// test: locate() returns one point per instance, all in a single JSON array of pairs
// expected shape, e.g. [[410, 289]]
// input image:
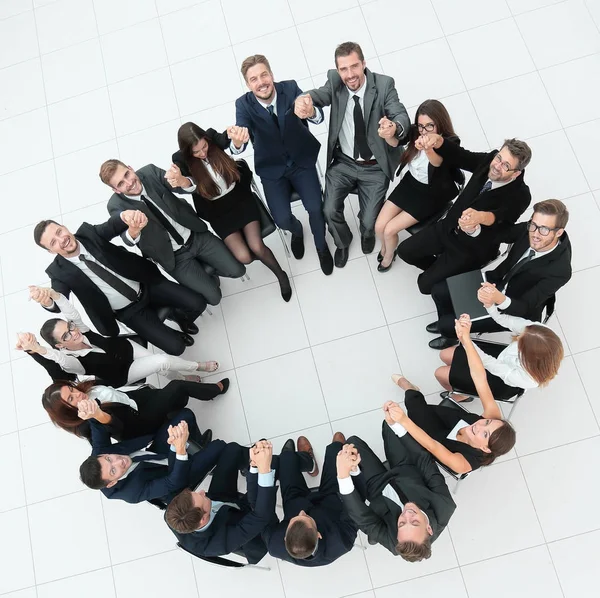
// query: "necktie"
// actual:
[[516, 268], [163, 220], [486, 187], [361, 147], [110, 279], [271, 110]]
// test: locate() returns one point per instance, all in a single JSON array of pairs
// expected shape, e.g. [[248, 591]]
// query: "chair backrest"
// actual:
[[549, 306], [267, 224], [214, 560]]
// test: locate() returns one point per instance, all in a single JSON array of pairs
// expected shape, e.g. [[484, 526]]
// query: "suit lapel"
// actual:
[[342, 96], [370, 95], [281, 104]]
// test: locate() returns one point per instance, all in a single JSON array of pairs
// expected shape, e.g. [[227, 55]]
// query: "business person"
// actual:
[[366, 125], [467, 238], [116, 361], [536, 267], [131, 472], [427, 183], [316, 529], [116, 285], [223, 196], [174, 237], [285, 152], [221, 520], [409, 503]]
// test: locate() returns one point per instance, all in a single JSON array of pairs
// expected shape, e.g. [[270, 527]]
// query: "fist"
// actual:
[[42, 295], [304, 107], [87, 408], [238, 135], [387, 128], [135, 219], [26, 341]]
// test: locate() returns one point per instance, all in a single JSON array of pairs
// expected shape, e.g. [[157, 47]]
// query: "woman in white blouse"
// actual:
[[223, 197], [531, 360], [427, 184]]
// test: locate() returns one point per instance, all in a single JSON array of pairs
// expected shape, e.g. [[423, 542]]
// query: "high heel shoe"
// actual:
[[286, 288], [382, 268], [379, 257]]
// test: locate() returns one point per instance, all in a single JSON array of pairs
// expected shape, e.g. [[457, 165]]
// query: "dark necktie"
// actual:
[[271, 110], [163, 220], [516, 268], [110, 279], [486, 187], [361, 147], [149, 457]]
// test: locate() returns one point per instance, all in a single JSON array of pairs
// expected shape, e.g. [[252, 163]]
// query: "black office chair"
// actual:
[[222, 561]]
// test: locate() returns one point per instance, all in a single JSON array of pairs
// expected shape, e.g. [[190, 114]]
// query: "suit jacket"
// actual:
[[66, 277], [237, 531], [381, 99], [154, 240], [421, 482], [535, 282], [507, 202], [275, 146], [333, 523], [148, 480]]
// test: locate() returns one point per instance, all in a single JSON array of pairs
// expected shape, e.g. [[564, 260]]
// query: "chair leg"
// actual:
[[282, 237], [245, 277], [513, 407], [359, 546], [261, 567], [207, 311], [455, 489]]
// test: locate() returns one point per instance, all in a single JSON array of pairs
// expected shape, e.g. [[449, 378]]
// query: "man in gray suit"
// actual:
[[409, 503], [366, 127], [175, 237]]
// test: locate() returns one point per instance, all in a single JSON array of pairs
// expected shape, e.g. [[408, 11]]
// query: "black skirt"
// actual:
[[415, 198], [460, 375]]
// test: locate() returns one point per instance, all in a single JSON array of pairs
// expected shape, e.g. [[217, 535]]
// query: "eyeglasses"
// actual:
[[67, 336], [428, 127], [505, 165], [544, 230]]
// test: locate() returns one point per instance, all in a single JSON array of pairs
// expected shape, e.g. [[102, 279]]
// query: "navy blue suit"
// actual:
[[151, 480], [285, 154]]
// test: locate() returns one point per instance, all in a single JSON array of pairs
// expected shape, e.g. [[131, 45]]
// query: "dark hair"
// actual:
[[300, 540], [47, 331], [40, 229], [553, 207], [520, 150], [188, 136], [437, 112], [346, 49], [253, 61], [62, 414], [540, 352], [500, 442], [182, 515], [413, 552], [90, 473]]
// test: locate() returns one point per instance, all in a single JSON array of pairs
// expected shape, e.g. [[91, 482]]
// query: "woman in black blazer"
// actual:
[[427, 184], [128, 414], [223, 197]]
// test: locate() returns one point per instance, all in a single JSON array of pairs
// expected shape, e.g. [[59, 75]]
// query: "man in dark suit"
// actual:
[[537, 265], [221, 521], [316, 530], [175, 238], [285, 152], [409, 503], [114, 284], [130, 472], [467, 238], [366, 126]]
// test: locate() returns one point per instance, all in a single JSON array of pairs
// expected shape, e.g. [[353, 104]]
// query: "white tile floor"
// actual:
[[85, 80]]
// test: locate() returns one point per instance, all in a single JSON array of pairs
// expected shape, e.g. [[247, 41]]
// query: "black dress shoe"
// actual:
[[433, 327], [188, 341], [441, 342], [326, 261], [367, 244], [382, 268], [297, 246], [188, 327], [341, 257], [289, 445], [205, 439], [225, 383]]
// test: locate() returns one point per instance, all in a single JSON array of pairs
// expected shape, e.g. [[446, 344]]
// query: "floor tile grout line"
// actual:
[[587, 395], [587, 7]]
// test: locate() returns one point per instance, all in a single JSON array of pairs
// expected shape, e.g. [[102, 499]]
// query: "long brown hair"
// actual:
[[540, 352], [501, 440], [62, 414], [437, 112], [188, 136]]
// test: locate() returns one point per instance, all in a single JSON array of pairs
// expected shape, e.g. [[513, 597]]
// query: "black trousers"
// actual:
[[223, 485], [142, 316], [439, 254], [446, 316]]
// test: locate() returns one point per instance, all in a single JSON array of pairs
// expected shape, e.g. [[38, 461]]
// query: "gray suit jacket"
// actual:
[[154, 240], [381, 99]]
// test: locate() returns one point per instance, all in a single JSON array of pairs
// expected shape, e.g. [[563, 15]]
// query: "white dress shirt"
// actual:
[[346, 137], [418, 168], [115, 299], [158, 461], [108, 394]]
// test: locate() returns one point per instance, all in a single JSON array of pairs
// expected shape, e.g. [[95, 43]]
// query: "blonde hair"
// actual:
[[253, 61], [108, 169]]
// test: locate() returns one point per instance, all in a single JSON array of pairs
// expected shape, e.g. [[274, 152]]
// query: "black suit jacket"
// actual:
[[154, 240], [536, 281], [66, 277], [507, 202], [233, 530], [333, 523], [421, 482]]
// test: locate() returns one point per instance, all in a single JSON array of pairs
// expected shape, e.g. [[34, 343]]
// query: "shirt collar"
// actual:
[[138, 197], [359, 92], [273, 102], [542, 253]]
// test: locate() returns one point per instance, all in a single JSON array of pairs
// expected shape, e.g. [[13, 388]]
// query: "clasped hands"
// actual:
[[304, 107], [469, 220], [489, 295], [136, 220], [178, 437], [42, 295], [26, 341], [238, 135], [387, 128], [347, 460], [261, 455]]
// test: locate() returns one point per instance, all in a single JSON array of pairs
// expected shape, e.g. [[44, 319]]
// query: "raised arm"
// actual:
[[513, 323]]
